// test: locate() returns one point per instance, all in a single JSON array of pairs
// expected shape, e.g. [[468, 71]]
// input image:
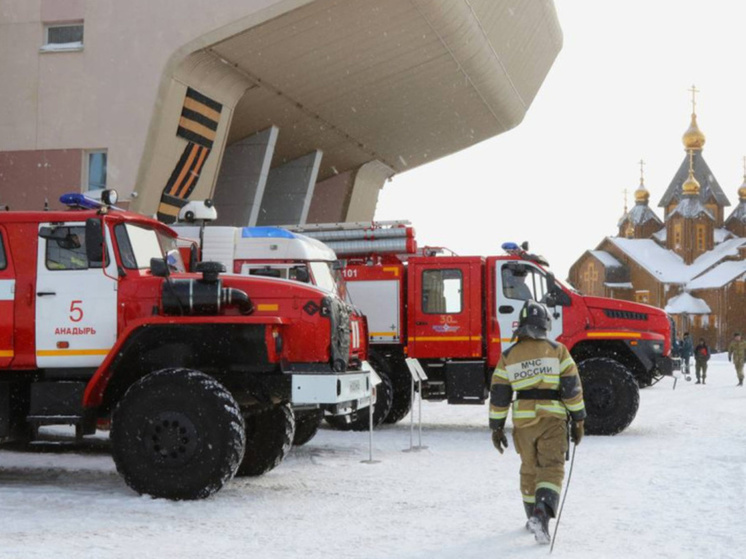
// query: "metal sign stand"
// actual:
[[417, 373], [375, 380]]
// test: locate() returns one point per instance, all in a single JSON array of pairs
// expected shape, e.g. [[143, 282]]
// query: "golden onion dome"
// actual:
[[690, 186], [642, 194], [693, 138], [742, 190]]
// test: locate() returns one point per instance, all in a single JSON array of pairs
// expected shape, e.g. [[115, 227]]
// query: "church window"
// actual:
[[740, 287], [677, 235], [697, 321], [701, 243]]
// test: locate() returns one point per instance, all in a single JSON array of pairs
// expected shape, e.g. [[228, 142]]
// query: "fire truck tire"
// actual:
[[402, 399], [269, 437], [361, 420], [307, 424], [611, 395], [177, 434]]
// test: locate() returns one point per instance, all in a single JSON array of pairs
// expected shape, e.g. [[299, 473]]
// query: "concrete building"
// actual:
[[283, 111]]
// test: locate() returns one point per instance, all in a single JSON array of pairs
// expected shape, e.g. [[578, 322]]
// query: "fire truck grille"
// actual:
[[340, 332], [626, 315]]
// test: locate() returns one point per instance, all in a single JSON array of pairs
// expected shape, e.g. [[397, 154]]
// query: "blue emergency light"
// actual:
[[78, 200], [266, 233]]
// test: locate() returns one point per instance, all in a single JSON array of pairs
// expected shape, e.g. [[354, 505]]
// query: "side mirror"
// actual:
[[555, 296], [159, 267], [94, 242]]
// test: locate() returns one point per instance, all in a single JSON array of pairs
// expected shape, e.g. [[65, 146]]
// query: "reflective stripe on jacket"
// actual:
[[535, 364]]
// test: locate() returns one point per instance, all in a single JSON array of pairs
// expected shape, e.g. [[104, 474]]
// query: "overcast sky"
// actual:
[[617, 93]]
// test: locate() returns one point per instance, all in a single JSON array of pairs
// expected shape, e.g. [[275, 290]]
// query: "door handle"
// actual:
[[44, 293], [505, 309], [419, 323]]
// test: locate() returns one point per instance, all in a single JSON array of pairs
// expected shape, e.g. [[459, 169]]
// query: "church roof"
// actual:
[[606, 259], [691, 207], [739, 214], [686, 303], [667, 266], [639, 214], [720, 275], [708, 184]]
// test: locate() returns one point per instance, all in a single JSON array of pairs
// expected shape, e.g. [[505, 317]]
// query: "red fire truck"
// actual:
[[199, 374], [456, 314]]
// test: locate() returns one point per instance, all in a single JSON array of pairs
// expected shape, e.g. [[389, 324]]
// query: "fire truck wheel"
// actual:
[[402, 400], [177, 434], [361, 420], [306, 426], [269, 436], [611, 396]]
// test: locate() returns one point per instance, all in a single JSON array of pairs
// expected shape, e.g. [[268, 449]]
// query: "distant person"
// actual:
[[547, 385], [737, 355], [687, 349], [701, 357]]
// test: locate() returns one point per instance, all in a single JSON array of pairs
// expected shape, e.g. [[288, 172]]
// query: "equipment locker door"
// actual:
[[445, 317], [76, 302], [7, 296]]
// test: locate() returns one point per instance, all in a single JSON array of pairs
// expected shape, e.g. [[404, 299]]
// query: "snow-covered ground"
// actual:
[[672, 485]]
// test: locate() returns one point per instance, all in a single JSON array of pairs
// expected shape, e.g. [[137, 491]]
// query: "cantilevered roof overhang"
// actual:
[[395, 82], [403, 82]]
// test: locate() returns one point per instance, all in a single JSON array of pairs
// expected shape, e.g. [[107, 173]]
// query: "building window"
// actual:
[[94, 170], [63, 37], [642, 296], [701, 237]]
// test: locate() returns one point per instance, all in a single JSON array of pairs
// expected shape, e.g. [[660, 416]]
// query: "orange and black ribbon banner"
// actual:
[[199, 121]]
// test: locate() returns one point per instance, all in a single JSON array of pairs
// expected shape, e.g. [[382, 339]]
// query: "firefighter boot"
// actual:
[[529, 508], [539, 524]]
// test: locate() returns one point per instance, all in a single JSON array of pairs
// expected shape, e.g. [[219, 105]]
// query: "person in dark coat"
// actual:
[[687, 348], [701, 357]]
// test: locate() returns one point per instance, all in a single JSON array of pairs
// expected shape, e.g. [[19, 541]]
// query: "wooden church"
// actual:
[[692, 263]]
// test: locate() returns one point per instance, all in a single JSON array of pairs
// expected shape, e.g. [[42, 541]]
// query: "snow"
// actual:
[[667, 266], [720, 275], [686, 303], [606, 259], [670, 486], [62, 47]]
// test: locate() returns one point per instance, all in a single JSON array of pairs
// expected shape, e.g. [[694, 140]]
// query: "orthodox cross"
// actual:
[[694, 91], [642, 164]]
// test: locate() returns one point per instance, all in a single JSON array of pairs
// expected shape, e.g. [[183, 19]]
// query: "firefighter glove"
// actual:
[[577, 432], [499, 440]]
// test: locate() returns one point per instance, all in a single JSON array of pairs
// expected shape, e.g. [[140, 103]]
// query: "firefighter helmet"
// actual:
[[534, 321]]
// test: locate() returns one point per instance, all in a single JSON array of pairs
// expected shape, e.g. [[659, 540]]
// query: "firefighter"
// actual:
[[547, 385], [737, 355]]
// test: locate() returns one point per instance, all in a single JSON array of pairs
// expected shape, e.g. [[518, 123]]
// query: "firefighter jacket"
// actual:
[[535, 364], [737, 351]]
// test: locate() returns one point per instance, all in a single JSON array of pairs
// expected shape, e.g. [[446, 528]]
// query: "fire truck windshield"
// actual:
[[324, 276], [137, 245]]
